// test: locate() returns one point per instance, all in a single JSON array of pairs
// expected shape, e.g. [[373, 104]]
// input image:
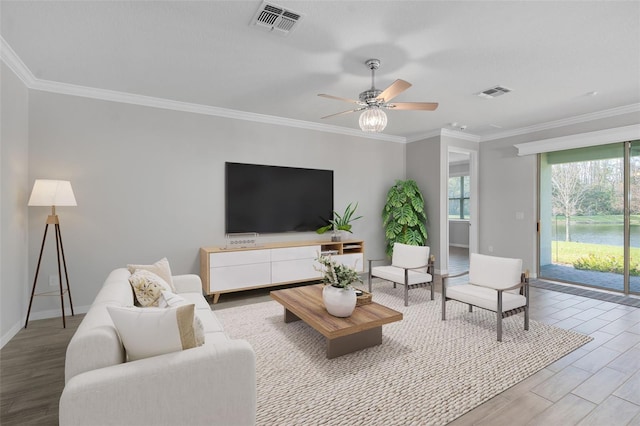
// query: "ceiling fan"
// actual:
[[373, 101]]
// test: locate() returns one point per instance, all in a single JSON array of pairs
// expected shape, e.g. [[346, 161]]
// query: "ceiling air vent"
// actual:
[[493, 92], [276, 19]]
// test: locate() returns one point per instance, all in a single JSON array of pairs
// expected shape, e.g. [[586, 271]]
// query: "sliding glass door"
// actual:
[[634, 217], [589, 216]]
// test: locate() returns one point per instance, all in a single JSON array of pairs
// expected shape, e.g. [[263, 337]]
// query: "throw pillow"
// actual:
[[160, 268], [147, 287], [168, 299], [147, 332]]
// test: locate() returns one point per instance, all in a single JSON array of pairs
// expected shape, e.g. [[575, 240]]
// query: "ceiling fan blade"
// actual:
[[394, 90], [420, 106], [353, 101], [343, 113]]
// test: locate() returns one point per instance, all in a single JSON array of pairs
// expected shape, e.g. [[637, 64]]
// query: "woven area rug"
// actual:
[[426, 371]]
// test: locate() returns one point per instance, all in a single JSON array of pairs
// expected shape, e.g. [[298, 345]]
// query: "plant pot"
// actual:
[[340, 302]]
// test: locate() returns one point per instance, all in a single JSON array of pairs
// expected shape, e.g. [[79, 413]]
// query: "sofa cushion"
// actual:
[[148, 287], [160, 268], [147, 332]]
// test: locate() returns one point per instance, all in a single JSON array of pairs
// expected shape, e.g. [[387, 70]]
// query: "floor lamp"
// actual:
[[52, 193]]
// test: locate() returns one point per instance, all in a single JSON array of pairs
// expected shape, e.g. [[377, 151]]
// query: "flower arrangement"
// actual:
[[337, 274]]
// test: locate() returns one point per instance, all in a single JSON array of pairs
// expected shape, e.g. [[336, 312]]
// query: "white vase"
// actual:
[[340, 302]]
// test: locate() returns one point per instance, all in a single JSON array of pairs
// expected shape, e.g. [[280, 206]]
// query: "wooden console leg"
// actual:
[[216, 296]]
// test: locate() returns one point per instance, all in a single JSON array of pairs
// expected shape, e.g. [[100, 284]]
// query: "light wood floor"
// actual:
[[598, 384]]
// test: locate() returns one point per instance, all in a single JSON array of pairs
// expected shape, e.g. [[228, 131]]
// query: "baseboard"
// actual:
[[10, 334], [53, 313], [34, 316]]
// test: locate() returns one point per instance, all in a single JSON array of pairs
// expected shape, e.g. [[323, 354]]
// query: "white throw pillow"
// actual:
[[168, 299], [147, 287], [160, 268], [147, 332]]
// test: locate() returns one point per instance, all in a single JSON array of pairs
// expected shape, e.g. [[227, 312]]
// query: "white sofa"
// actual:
[[213, 384]]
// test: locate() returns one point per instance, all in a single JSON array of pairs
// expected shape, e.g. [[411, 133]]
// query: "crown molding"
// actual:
[[148, 101], [612, 112], [460, 135], [13, 61]]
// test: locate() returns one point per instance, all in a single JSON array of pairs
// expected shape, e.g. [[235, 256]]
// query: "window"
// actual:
[[459, 197]]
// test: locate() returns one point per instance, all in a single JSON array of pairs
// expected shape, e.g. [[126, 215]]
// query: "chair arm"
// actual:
[[220, 377], [374, 260], [447, 276], [519, 285]]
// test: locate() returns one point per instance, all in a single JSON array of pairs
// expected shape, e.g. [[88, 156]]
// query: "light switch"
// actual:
[[519, 215]]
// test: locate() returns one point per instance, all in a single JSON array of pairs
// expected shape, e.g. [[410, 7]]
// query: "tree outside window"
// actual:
[[459, 191]]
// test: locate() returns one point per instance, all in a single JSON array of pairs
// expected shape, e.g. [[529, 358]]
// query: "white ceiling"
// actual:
[[550, 53]]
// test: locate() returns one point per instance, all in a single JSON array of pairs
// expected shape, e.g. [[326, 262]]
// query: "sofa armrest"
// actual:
[[189, 283], [212, 384]]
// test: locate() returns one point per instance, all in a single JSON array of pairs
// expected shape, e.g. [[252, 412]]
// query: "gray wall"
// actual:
[[13, 202], [459, 233], [150, 183], [423, 166]]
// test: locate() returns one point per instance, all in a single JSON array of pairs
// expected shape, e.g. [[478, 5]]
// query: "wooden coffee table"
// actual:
[[362, 329]]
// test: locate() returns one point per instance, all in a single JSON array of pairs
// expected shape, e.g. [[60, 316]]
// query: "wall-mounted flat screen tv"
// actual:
[[272, 199]]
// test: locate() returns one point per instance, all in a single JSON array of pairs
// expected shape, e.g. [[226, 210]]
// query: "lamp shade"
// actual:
[[373, 120], [52, 193]]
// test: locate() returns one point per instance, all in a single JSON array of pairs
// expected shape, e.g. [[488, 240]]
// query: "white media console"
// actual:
[[226, 270]]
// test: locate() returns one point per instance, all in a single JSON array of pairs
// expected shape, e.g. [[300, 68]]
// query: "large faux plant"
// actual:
[[403, 218], [341, 222]]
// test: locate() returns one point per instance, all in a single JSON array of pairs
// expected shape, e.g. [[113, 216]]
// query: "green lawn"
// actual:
[[568, 253]]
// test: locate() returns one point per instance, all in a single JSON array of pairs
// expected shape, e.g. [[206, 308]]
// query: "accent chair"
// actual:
[[411, 267], [495, 283]]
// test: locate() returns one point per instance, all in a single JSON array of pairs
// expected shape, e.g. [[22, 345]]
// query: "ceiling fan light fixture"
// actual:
[[373, 120]]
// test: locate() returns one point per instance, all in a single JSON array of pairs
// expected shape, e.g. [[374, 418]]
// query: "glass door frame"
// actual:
[[626, 220]]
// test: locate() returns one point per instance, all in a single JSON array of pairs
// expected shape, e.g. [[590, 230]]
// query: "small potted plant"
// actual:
[[338, 295], [340, 222]]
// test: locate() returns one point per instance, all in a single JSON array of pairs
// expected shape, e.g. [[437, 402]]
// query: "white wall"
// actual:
[[13, 203], [150, 182]]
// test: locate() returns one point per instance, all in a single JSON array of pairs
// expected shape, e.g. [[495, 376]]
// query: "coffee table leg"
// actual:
[[290, 316], [354, 342]]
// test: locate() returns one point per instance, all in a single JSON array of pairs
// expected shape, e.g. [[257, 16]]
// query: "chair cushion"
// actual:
[[392, 273], [485, 297], [406, 256], [494, 272]]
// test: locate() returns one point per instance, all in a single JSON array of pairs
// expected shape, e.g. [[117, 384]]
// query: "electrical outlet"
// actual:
[[53, 281], [490, 249]]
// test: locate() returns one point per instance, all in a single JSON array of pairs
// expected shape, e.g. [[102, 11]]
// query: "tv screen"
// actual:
[[271, 199]]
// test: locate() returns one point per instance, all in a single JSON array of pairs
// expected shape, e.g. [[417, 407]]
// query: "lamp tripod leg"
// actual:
[[64, 324], [64, 263], [35, 280]]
